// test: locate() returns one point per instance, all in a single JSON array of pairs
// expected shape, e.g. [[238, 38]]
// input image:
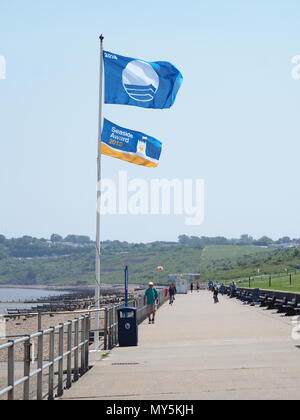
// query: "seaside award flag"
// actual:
[[129, 81], [130, 145]]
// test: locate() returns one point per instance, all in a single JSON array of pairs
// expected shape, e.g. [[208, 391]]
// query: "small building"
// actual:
[[183, 281]]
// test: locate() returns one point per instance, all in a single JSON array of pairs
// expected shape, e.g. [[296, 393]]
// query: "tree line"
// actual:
[[244, 240], [30, 247]]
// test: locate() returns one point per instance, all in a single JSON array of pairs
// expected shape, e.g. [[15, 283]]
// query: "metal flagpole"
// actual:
[[98, 239]]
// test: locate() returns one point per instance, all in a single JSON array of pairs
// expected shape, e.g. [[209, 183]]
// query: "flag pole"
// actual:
[[98, 236]]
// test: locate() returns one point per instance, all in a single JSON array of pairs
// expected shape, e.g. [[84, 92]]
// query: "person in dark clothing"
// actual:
[[192, 287], [172, 293], [216, 294]]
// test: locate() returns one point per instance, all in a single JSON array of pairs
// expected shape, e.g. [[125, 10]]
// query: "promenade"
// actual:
[[198, 350]]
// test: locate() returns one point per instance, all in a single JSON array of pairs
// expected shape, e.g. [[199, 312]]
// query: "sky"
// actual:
[[234, 124]]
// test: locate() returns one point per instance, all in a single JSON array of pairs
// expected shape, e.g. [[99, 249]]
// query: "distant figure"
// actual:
[[150, 299], [233, 290], [172, 293], [216, 294], [192, 287], [198, 287], [222, 289]]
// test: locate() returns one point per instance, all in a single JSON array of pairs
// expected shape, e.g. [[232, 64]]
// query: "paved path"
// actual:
[[198, 350]]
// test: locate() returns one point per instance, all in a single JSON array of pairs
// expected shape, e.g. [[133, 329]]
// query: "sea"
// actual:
[[12, 298]]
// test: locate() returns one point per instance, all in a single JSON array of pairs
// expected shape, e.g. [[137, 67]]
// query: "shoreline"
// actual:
[[64, 287], [45, 287]]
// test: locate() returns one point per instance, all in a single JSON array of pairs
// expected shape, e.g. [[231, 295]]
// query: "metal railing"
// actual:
[[75, 350], [65, 358]]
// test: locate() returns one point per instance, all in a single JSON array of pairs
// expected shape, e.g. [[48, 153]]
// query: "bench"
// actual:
[[246, 297], [295, 310], [265, 301], [286, 304], [291, 308], [271, 304], [278, 303]]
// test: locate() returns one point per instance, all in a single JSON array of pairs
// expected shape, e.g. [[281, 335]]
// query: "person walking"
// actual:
[[172, 293], [192, 287], [198, 287], [151, 299], [216, 294]]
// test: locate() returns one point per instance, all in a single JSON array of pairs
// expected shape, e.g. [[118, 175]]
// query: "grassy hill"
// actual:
[[80, 268], [143, 264], [219, 262], [216, 256], [214, 262], [227, 263]]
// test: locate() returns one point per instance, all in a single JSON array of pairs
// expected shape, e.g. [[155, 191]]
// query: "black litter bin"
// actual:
[[128, 327]]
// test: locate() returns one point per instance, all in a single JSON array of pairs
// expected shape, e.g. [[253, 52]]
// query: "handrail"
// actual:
[[82, 346], [74, 349]]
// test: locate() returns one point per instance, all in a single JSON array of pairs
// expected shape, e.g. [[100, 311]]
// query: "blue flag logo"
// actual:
[[134, 82], [140, 81]]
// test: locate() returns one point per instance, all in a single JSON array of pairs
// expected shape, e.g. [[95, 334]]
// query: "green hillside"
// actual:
[[143, 264], [227, 263], [213, 256], [28, 261], [80, 268]]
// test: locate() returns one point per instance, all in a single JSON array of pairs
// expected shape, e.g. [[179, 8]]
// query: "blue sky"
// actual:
[[234, 124]]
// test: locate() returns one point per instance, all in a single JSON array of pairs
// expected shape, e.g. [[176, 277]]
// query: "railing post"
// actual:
[[116, 327], [82, 349], [76, 353], [106, 329], [27, 363], [51, 367], [110, 329], [11, 370], [87, 338], [69, 358], [40, 366], [40, 321], [60, 389]]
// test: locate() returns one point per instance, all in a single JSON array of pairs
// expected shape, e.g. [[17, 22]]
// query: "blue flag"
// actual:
[[131, 146], [129, 81]]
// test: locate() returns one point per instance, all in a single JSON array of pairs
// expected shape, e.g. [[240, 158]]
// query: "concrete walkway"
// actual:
[[198, 350]]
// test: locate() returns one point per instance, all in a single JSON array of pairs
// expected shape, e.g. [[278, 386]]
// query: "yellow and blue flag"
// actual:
[[131, 146], [129, 81]]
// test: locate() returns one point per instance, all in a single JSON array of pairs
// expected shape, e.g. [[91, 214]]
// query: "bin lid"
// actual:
[[127, 309]]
